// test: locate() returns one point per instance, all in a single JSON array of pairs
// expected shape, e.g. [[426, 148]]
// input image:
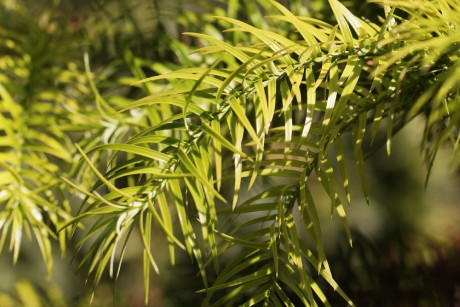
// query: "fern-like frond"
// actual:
[[429, 42], [272, 115], [36, 96]]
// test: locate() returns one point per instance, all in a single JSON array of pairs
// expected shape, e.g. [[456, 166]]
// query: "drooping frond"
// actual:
[[36, 98], [270, 116], [428, 67]]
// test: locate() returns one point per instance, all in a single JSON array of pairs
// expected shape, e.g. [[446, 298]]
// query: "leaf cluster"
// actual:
[[220, 157]]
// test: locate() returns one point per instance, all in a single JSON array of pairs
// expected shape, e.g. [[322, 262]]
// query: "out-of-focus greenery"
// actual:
[[115, 173]]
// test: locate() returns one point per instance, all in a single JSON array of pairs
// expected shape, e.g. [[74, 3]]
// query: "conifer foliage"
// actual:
[[220, 157]]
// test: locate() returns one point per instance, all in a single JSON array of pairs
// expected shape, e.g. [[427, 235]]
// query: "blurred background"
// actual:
[[406, 249]]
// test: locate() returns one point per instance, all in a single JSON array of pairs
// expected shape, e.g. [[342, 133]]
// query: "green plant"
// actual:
[[221, 157], [37, 99]]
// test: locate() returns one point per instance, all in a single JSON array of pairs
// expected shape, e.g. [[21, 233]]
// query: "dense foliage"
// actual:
[[219, 150]]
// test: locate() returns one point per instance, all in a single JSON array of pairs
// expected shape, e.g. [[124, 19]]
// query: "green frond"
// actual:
[[247, 135], [35, 101]]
